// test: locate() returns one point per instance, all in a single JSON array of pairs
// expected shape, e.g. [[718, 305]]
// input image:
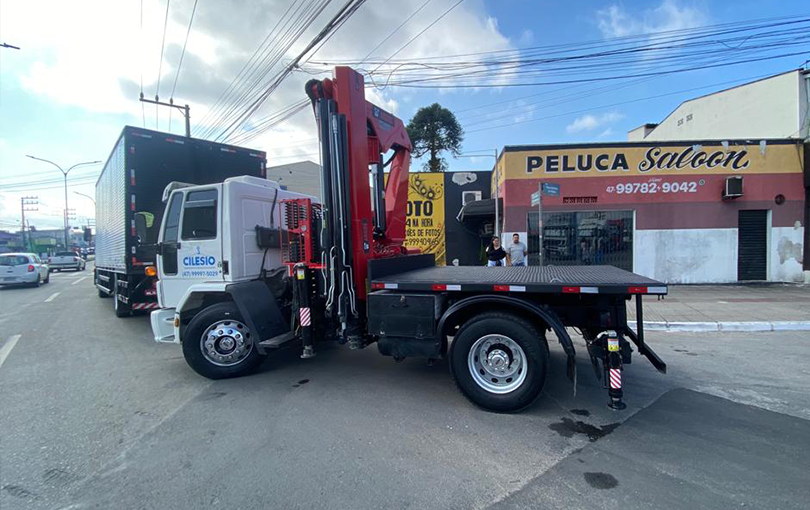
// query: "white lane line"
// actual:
[[6, 349], [79, 280], [52, 297]]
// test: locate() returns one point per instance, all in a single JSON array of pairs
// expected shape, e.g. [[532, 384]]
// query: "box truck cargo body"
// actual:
[[141, 165]]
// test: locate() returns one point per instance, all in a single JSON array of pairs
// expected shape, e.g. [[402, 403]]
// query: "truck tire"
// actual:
[[217, 343], [121, 309], [499, 361], [102, 294]]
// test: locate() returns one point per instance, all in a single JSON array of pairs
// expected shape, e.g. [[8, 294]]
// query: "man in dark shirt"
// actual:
[[496, 256]]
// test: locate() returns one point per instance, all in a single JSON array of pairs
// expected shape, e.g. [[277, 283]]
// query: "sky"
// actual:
[[73, 85]]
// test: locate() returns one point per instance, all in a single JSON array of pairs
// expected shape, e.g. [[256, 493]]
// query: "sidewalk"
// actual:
[[752, 307]]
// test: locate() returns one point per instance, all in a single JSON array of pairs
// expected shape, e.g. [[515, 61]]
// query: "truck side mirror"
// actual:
[[140, 227]]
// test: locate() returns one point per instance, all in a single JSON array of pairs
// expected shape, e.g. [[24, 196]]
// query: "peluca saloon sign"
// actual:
[[638, 160]]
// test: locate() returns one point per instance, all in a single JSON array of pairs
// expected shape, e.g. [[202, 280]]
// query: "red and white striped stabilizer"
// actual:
[[615, 379], [144, 306], [305, 316]]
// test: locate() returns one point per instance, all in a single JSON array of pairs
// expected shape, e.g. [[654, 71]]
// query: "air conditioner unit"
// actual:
[[733, 187], [470, 196]]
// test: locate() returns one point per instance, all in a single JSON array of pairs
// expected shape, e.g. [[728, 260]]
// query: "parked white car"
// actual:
[[66, 260], [23, 268]]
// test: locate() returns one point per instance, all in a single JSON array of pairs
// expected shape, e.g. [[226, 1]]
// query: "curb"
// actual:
[[707, 327]]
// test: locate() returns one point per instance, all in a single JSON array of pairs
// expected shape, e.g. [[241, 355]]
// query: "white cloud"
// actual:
[[606, 133], [90, 57], [614, 21], [590, 122]]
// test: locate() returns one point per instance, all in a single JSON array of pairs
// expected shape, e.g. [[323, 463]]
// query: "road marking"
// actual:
[[79, 280], [6, 349], [52, 297]]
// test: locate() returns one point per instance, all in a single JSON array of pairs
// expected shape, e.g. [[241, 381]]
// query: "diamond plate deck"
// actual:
[[546, 279]]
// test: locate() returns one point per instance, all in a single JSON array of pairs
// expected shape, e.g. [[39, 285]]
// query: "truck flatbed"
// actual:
[[533, 279]]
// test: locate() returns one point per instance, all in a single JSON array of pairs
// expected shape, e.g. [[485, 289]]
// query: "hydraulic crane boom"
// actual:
[[354, 135]]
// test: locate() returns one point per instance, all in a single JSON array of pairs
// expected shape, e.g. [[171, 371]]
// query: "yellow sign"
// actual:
[[425, 220], [652, 160]]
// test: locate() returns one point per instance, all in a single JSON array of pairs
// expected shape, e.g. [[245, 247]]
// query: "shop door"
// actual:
[[583, 238], [752, 245]]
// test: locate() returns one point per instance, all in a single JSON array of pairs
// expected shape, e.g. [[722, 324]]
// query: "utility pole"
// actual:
[[27, 205], [185, 109], [65, 174]]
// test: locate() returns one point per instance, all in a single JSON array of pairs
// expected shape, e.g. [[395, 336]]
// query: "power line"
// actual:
[[180, 65], [289, 30], [412, 39], [414, 13], [348, 9], [160, 62], [143, 107], [613, 104]]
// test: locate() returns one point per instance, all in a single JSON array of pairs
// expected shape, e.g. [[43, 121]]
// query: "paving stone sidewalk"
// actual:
[[728, 303]]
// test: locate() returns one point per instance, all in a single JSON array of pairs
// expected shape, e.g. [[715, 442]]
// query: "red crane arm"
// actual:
[[371, 132]]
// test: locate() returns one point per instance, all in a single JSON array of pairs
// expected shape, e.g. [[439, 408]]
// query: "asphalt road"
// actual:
[[94, 414]]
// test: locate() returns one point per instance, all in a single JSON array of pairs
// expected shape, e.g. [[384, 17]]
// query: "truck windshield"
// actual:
[[200, 215]]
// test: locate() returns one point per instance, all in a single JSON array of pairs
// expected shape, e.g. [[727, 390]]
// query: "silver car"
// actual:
[[23, 268]]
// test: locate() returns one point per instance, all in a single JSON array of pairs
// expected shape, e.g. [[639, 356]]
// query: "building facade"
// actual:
[[773, 107], [681, 212]]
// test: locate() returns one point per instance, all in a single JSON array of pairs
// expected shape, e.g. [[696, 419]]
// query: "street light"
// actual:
[[65, 174], [86, 196], [497, 183]]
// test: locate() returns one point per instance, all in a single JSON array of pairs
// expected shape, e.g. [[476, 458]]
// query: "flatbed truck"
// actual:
[[342, 274]]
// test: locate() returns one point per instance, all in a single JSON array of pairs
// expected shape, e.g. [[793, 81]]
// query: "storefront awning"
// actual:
[[480, 209]]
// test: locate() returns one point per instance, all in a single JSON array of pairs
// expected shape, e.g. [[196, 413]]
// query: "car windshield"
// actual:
[[65, 254], [13, 260]]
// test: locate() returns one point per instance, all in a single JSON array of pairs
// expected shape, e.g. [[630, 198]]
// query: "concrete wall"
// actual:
[[709, 255], [768, 108], [301, 177]]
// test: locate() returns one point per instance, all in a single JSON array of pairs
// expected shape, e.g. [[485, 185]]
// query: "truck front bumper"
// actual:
[[163, 326]]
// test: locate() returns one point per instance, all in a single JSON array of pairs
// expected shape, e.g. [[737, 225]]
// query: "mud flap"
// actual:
[[259, 308]]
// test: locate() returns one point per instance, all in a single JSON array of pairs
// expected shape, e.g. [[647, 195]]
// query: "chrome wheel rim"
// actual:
[[497, 364], [226, 343]]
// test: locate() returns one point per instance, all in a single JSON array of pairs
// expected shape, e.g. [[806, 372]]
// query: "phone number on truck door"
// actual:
[[656, 187]]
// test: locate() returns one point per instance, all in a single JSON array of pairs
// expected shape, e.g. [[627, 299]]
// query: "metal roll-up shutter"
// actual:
[[752, 256]]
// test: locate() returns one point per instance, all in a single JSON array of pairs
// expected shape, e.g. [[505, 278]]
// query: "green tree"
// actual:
[[434, 130]]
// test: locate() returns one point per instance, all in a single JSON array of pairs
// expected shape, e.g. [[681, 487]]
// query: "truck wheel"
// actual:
[[218, 343], [121, 309], [102, 294], [499, 361]]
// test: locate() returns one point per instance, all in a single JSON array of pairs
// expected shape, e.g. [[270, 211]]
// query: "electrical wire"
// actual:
[[414, 13], [340, 18], [180, 64], [294, 26], [160, 62], [412, 39], [143, 106]]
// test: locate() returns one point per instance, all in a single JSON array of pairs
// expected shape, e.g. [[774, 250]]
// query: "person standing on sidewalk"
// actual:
[[496, 256], [516, 252]]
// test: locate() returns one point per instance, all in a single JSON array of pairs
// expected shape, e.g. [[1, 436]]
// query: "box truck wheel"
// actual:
[[218, 344], [121, 309], [499, 361]]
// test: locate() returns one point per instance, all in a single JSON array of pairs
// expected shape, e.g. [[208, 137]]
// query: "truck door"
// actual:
[[191, 250]]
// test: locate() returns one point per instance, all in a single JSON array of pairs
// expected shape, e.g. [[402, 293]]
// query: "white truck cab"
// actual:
[[208, 241]]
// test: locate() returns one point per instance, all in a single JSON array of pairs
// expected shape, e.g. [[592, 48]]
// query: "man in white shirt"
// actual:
[[516, 252]]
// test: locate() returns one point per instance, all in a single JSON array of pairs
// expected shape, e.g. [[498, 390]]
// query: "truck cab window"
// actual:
[[200, 215], [173, 219]]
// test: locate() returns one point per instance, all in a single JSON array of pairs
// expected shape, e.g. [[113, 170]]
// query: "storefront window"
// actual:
[[583, 238]]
